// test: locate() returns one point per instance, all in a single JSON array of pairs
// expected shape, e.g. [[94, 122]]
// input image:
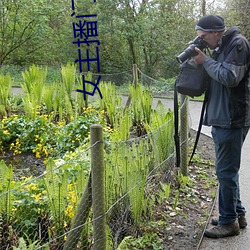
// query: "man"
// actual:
[[228, 112]]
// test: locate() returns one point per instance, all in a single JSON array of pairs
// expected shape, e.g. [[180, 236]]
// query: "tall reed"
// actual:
[[111, 103], [48, 97], [161, 132], [33, 86], [5, 90], [68, 74], [80, 103], [6, 184], [141, 105], [56, 184]]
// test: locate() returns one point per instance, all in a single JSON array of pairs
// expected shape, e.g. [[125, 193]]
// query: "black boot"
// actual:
[[241, 219], [221, 231]]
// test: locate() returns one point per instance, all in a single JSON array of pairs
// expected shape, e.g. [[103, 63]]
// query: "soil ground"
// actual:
[[188, 221]]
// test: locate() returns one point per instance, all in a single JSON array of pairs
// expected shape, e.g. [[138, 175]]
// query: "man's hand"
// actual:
[[200, 58]]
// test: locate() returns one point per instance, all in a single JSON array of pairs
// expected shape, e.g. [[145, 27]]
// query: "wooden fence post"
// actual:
[[135, 74], [98, 195], [135, 82], [80, 218]]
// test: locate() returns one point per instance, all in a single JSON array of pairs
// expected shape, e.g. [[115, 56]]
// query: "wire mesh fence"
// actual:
[[158, 87], [55, 209], [42, 209]]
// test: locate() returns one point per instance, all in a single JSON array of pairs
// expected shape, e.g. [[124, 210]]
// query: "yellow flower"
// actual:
[[38, 155], [73, 199], [12, 145], [14, 209], [45, 151], [69, 211], [31, 187], [37, 196], [6, 132]]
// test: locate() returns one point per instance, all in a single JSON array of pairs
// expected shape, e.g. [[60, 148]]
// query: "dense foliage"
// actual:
[[51, 122], [148, 33]]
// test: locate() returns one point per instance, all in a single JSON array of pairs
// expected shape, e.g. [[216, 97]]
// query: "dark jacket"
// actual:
[[229, 90]]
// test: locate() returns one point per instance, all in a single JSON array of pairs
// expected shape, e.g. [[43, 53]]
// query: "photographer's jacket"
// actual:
[[229, 91]]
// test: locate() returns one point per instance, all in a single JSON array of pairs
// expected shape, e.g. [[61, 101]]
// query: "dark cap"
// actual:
[[211, 23]]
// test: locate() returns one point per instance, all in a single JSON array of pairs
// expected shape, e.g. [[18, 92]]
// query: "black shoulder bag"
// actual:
[[191, 81]]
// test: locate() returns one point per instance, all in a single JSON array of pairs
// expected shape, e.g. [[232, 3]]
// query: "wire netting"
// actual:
[[43, 211]]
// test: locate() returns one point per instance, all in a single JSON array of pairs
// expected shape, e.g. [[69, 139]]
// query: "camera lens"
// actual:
[[187, 53]]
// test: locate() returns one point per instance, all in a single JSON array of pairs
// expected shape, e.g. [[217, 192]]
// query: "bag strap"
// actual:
[[199, 127], [176, 126]]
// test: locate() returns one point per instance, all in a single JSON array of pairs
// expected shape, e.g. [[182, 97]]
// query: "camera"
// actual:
[[190, 51]]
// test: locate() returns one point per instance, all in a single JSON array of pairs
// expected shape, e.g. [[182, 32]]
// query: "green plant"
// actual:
[[121, 131], [68, 74], [6, 204], [176, 199], [5, 89], [56, 187], [33, 86], [126, 172], [164, 191], [48, 98], [30, 208], [23, 134], [112, 108], [22, 245], [161, 128], [184, 181], [58, 103], [79, 100], [62, 104], [147, 241], [64, 184], [44, 137], [6, 184], [141, 104]]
